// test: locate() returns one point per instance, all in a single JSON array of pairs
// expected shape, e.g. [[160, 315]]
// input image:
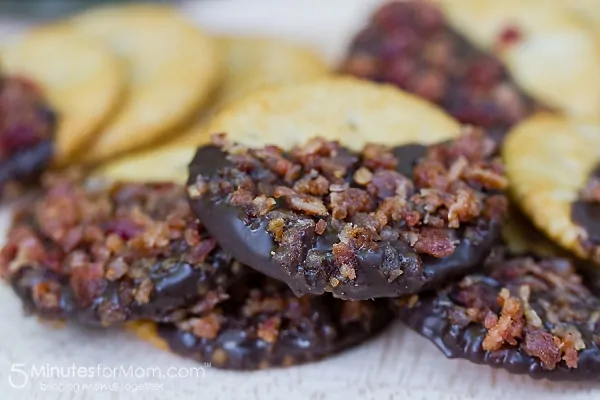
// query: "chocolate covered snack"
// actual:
[[525, 315], [382, 222], [410, 44], [261, 324], [102, 254], [27, 127]]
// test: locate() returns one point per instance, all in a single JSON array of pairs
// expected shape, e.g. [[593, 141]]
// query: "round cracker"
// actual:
[[556, 58], [172, 68], [148, 332], [587, 9], [250, 63], [81, 77], [548, 159], [254, 62], [346, 109], [163, 164], [522, 238]]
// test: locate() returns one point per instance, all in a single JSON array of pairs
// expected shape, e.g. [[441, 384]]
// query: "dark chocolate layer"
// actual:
[[27, 129], [176, 285], [585, 212], [113, 253], [559, 340], [263, 325], [376, 269]]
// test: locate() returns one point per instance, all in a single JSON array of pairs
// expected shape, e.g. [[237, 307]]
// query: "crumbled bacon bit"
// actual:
[[435, 242], [269, 329], [275, 227], [508, 327], [349, 202], [261, 205], [463, 208], [346, 260], [47, 294], [205, 327], [321, 227], [363, 176], [317, 186], [509, 36], [307, 204], [544, 346], [143, 291]]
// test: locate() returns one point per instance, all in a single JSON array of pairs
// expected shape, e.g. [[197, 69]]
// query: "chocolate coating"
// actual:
[[106, 255], [264, 325], [176, 284], [411, 45], [252, 244], [586, 213], [454, 319], [27, 128]]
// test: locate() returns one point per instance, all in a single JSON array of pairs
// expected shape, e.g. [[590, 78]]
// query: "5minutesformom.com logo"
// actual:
[[104, 377]]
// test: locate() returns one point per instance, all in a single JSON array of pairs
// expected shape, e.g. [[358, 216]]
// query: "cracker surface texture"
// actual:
[[346, 109], [548, 159], [81, 77], [550, 52], [172, 68]]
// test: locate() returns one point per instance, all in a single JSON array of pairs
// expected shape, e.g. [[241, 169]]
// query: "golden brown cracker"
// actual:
[[586, 9], [522, 238], [165, 163], [550, 52], [82, 78], [254, 62], [172, 68], [346, 109], [548, 159], [250, 63], [148, 332]]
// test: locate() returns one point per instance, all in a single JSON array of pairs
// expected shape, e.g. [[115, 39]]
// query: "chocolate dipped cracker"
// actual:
[[412, 45], [526, 315], [259, 323], [381, 222], [106, 253]]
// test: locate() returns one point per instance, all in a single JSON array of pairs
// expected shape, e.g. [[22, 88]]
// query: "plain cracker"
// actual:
[[173, 67], [163, 164], [548, 159], [346, 109], [250, 63], [82, 78]]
